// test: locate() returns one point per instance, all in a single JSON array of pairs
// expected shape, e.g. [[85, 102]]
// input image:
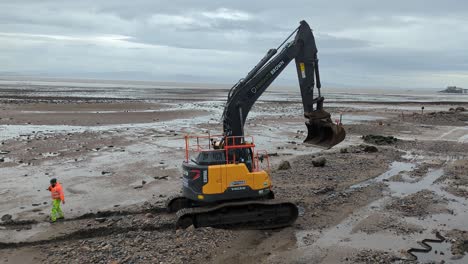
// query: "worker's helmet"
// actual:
[[53, 181]]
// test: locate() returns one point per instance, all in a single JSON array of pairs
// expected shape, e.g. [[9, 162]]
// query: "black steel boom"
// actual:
[[243, 95]]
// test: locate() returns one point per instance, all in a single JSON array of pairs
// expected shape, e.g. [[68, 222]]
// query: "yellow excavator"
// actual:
[[224, 185]]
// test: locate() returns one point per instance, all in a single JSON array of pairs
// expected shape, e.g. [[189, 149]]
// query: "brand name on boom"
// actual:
[[276, 68]]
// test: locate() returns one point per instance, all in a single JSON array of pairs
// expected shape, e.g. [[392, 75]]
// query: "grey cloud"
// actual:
[[160, 39]]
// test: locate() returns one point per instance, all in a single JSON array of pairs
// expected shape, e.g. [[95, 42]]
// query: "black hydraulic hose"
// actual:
[[317, 75], [317, 78], [290, 35], [426, 247]]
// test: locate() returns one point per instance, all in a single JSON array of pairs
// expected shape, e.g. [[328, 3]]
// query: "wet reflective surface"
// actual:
[[347, 234]]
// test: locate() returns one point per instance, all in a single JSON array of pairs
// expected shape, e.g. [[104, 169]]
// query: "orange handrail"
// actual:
[[229, 141]]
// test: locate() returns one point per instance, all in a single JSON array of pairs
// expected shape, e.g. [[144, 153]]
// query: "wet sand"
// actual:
[[119, 159]]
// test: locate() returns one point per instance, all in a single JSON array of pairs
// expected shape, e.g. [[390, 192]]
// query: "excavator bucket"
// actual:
[[324, 133]]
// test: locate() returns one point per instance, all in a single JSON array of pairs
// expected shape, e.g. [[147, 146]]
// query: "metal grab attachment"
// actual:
[[321, 131]]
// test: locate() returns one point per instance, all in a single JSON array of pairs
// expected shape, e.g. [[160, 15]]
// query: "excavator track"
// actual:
[[263, 214], [177, 202]]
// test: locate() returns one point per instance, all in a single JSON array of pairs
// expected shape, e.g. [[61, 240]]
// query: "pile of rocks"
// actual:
[[420, 204], [372, 257], [379, 140]]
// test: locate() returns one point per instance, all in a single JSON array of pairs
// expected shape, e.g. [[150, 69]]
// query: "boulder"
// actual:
[[284, 165], [319, 162], [369, 148], [6, 217]]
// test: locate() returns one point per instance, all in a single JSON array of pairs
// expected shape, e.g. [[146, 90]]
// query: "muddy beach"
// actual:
[[118, 159]]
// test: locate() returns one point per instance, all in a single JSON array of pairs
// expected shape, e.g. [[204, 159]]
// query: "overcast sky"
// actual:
[[398, 43]]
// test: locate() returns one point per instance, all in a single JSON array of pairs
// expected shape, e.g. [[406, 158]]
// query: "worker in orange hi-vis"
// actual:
[[56, 192]]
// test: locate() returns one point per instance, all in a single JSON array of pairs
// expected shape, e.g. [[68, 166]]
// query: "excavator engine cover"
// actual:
[[322, 132]]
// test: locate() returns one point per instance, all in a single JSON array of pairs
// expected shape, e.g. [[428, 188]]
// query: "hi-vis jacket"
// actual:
[[57, 192]]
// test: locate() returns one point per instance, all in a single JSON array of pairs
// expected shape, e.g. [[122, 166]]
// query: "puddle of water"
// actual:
[[459, 134], [395, 168], [400, 189], [342, 235], [356, 119], [440, 252], [399, 108], [50, 154], [14, 131]]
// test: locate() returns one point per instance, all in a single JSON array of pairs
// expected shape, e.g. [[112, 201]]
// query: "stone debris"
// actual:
[[422, 203], [319, 162], [372, 256], [284, 165], [379, 140], [6, 217]]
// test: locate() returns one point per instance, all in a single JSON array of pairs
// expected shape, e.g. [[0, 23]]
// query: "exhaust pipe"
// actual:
[[321, 131]]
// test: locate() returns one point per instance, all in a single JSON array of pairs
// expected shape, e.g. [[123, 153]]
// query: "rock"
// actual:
[[324, 190], [2, 159], [379, 140], [35, 204], [6, 217], [143, 182], [319, 162], [105, 172], [149, 215], [370, 149], [460, 109], [100, 219], [343, 150], [284, 165], [2, 228]]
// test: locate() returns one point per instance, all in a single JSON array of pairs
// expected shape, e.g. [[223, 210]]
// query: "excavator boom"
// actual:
[[322, 132]]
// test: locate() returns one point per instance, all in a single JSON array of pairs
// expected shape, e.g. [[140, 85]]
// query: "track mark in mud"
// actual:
[[92, 233], [119, 213], [26, 224]]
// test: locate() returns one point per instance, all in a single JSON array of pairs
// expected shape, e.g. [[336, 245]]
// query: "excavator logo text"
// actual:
[[276, 68]]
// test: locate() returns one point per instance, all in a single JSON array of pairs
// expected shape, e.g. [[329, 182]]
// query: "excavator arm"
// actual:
[[322, 131]]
